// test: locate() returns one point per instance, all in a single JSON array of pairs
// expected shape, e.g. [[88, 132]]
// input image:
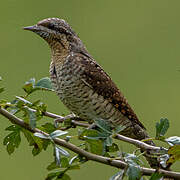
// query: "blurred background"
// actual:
[[137, 43]]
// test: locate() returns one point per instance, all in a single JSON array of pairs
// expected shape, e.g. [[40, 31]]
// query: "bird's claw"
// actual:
[[92, 126], [62, 119]]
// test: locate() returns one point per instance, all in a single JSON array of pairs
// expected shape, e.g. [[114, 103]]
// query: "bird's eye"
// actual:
[[51, 26]]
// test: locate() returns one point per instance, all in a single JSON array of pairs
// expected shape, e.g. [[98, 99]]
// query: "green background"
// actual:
[[136, 41]]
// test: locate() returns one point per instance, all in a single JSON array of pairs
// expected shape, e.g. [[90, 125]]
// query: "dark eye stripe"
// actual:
[[51, 26], [61, 30]]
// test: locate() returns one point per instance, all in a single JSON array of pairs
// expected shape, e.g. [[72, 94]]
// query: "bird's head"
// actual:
[[54, 31]]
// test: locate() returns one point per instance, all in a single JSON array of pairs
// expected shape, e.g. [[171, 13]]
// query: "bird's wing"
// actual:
[[95, 77]]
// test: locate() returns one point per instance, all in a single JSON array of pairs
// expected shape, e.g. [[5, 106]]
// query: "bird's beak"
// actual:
[[32, 28]]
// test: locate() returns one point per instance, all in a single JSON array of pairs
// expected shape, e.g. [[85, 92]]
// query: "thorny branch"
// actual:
[[89, 156]]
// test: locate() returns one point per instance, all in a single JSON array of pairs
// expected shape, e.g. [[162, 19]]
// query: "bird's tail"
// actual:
[[137, 132]]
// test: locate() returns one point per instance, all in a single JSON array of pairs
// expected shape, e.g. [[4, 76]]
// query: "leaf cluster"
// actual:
[[98, 140]]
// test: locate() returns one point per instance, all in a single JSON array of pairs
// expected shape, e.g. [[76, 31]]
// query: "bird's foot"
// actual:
[[93, 126], [60, 120]]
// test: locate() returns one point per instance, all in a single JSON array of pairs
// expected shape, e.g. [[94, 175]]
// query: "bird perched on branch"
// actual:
[[81, 83]]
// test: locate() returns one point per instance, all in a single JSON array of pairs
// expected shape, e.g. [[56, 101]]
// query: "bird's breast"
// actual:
[[80, 98]]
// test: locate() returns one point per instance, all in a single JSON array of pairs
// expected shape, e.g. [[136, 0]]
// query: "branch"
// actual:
[[104, 160], [137, 143], [140, 144], [74, 122]]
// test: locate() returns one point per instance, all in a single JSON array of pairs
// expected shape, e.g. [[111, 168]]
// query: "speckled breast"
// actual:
[[79, 98]]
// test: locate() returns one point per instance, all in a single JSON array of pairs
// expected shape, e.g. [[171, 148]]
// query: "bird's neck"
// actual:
[[59, 52]]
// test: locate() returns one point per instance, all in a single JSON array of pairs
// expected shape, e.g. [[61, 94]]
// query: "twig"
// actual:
[[75, 121], [56, 116], [135, 142], [104, 160], [139, 144]]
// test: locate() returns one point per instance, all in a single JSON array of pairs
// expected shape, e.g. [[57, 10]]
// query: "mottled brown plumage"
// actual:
[[82, 85], [80, 81]]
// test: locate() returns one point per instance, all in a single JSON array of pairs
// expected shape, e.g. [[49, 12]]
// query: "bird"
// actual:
[[82, 84]]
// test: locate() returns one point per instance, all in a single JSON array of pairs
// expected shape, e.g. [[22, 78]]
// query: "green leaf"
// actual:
[[113, 148], [63, 177], [163, 160], [39, 144], [52, 166], [34, 141], [40, 107], [57, 133], [118, 176], [29, 86], [23, 100], [132, 159], [13, 110], [36, 103], [48, 127], [32, 117], [58, 152], [28, 135], [104, 125], [74, 167], [64, 162], [96, 141], [1, 90], [133, 172], [174, 140], [10, 148], [13, 128], [46, 143], [77, 159], [93, 134], [12, 140], [35, 151], [89, 133], [67, 122], [52, 175], [62, 151], [108, 141], [42, 84], [67, 138], [174, 152], [40, 135], [95, 146], [156, 176], [57, 155], [45, 84], [4, 103], [73, 159], [162, 127], [118, 129]]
